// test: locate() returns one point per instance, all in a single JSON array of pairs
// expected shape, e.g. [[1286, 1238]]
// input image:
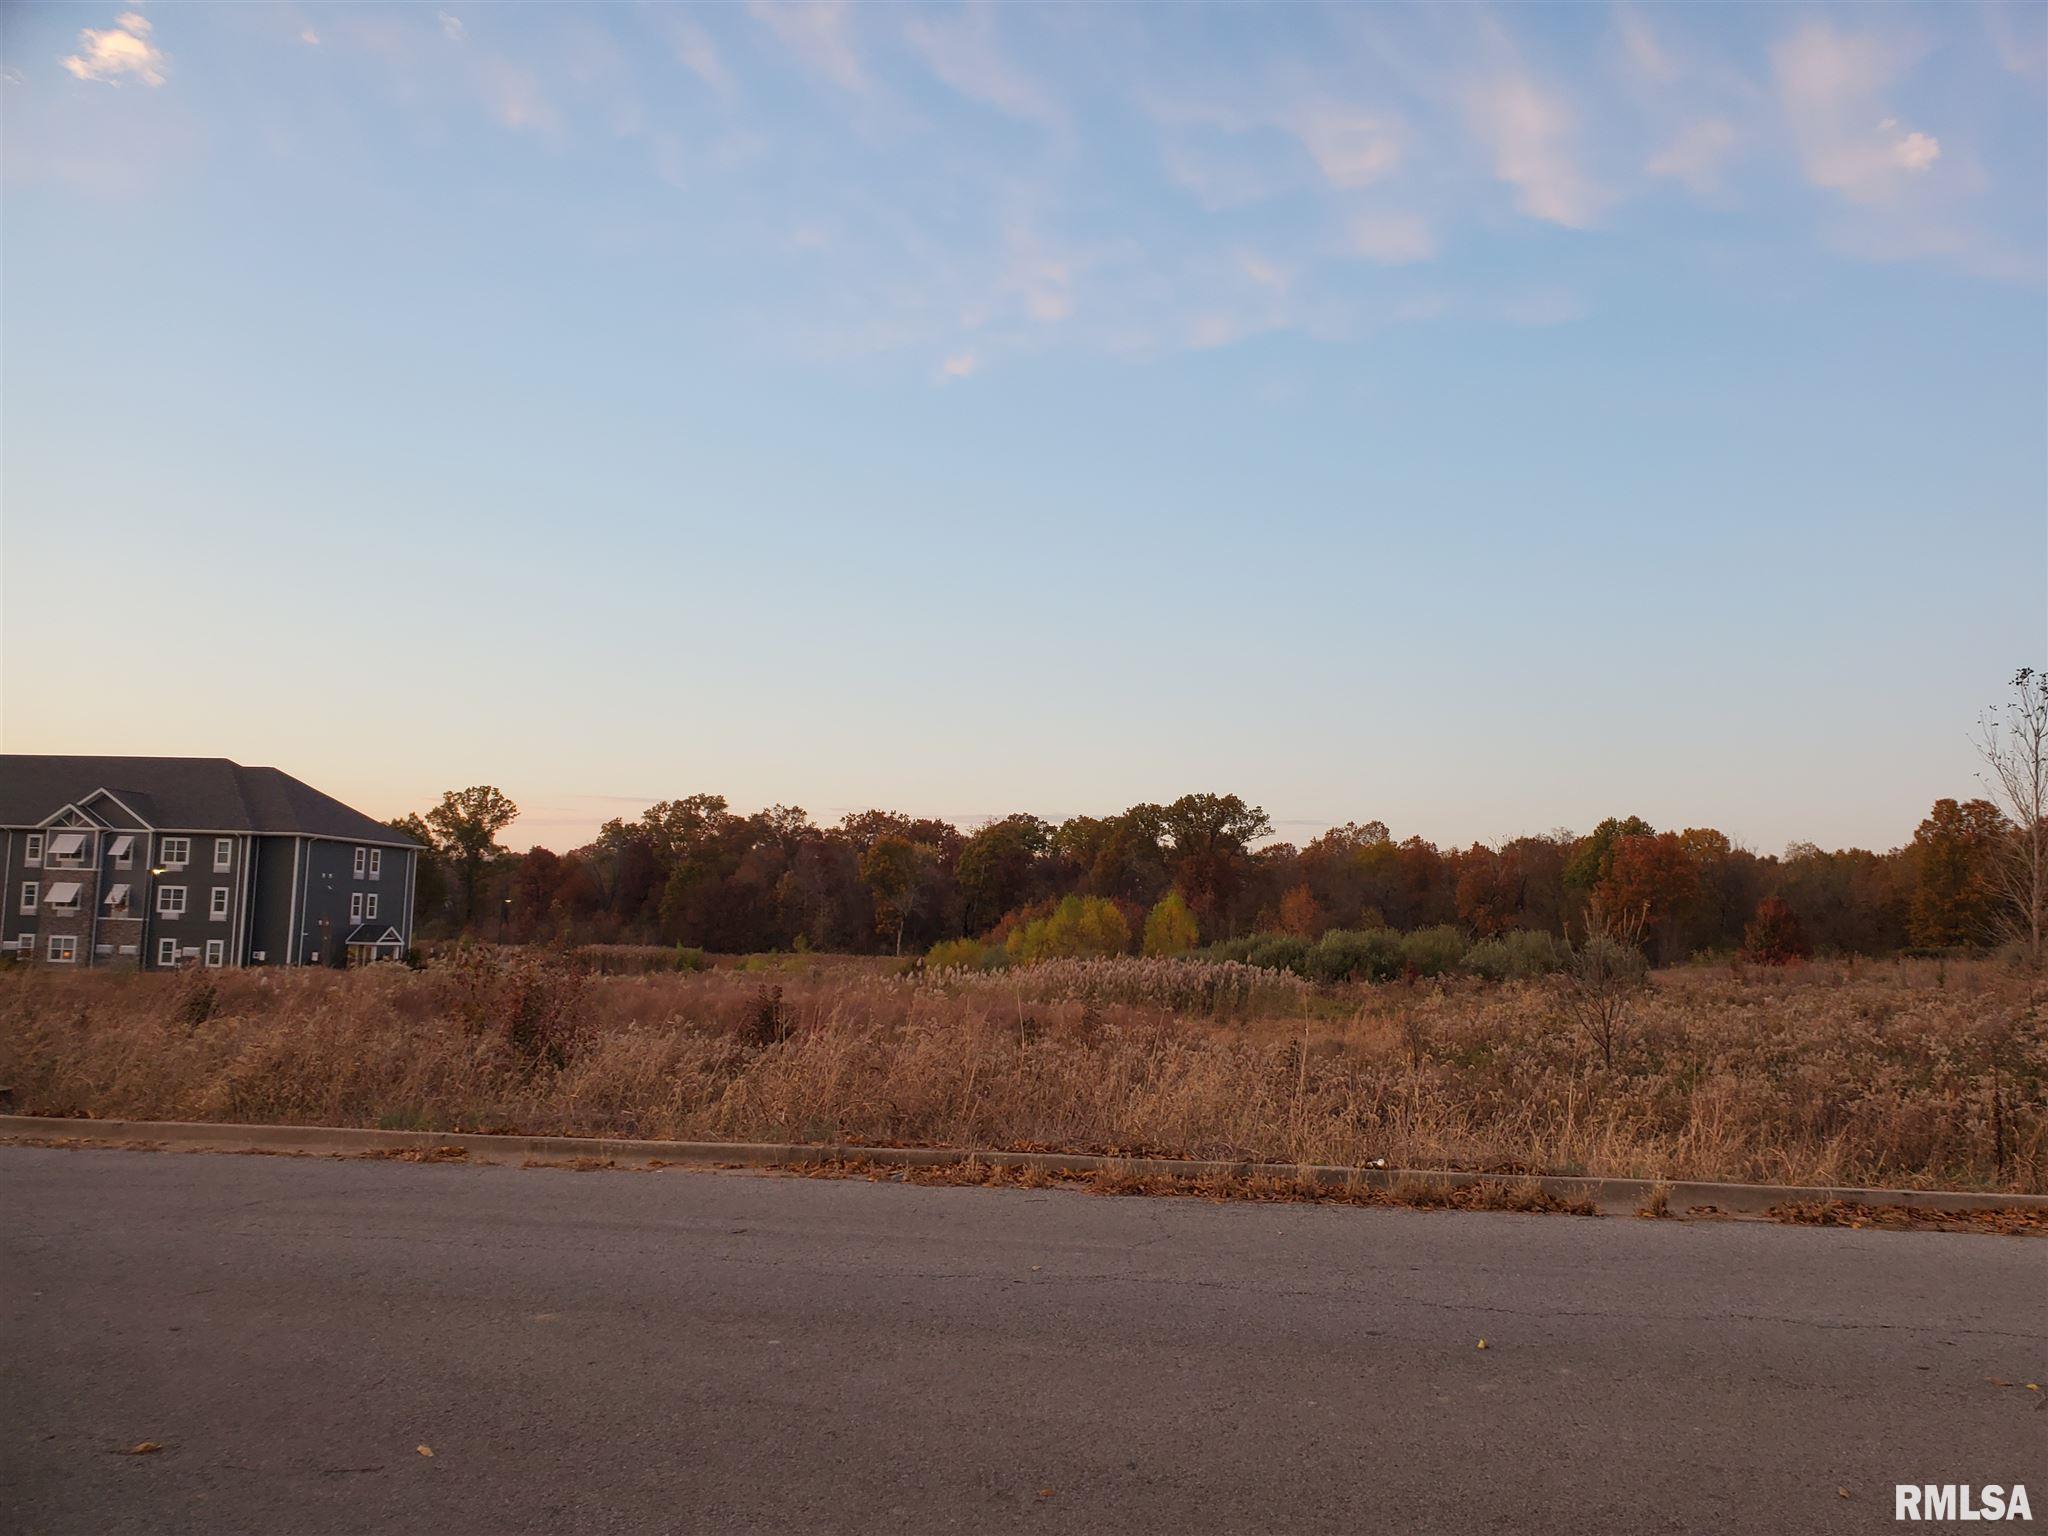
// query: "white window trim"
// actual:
[[164, 908], [355, 906], [376, 863], [223, 855], [217, 905], [181, 858], [216, 953], [70, 943], [32, 854], [31, 897], [370, 907], [166, 944], [362, 862], [69, 908]]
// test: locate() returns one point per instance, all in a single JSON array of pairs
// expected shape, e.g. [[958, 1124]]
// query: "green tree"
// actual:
[[1212, 837], [430, 888], [1080, 926], [893, 869], [1170, 927], [996, 866], [465, 828]]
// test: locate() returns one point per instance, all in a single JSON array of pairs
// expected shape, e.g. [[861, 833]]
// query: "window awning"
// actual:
[[67, 845], [118, 896], [122, 847], [62, 894]]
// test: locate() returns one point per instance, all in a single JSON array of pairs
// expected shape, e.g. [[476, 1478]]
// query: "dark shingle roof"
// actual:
[[198, 794]]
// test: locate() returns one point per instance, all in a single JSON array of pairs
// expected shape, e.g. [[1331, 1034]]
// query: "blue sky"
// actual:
[[1481, 420]]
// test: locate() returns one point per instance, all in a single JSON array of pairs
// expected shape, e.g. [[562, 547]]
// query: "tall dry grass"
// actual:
[[1873, 1074]]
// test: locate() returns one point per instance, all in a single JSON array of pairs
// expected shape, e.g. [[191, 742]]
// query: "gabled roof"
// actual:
[[179, 794]]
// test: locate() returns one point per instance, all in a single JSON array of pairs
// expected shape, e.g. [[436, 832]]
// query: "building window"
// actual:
[[62, 896], [217, 907], [223, 853], [117, 901], [26, 943], [30, 890], [32, 855], [67, 850], [177, 852], [166, 951], [362, 861], [376, 863], [355, 906], [216, 952], [123, 852], [63, 949], [370, 905], [170, 901]]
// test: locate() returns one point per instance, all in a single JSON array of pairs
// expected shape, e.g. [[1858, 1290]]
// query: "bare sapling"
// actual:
[[2013, 742], [1603, 974]]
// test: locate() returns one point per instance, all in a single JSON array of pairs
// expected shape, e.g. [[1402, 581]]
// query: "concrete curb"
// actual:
[[1608, 1195]]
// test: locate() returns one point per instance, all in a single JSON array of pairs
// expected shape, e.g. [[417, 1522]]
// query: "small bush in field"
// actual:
[[1356, 954], [689, 959], [1281, 952], [1433, 951], [954, 955], [1532, 953], [536, 1004], [1489, 960]]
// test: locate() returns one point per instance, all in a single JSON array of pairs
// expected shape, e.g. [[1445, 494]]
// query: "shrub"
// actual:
[[1433, 951], [688, 959], [1532, 952], [1280, 952], [1489, 959], [1080, 926], [1170, 927], [954, 955], [1356, 954]]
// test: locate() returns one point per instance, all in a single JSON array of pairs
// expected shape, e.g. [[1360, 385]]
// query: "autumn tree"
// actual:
[[1773, 935], [1170, 927], [1955, 853], [2013, 743], [1300, 914], [1211, 838], [997, 866], [430, 890], [893, 869], [465, 828]]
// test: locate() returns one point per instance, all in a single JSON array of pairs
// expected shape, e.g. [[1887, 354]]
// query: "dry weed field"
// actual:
[[1912, 1073]]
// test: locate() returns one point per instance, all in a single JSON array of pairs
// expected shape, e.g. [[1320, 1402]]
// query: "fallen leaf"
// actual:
[[1842, 1493], [426, 1450], [1482, 1343], [2033, 1386], [1996, 1382], [1045, 1493], [145, 1448]]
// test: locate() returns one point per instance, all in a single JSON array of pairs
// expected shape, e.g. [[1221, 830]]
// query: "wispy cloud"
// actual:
[[1531, 132], [1831, 85], [819, 34], [696, 52], [121, 52], [1350, 148], [452, 27], [1392, 239], [961, 49], [961, 365], [1698, 156]]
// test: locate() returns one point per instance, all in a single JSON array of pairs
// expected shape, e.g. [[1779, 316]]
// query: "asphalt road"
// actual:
[[688, 1351]]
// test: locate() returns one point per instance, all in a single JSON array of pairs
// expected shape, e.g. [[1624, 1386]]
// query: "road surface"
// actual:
[[692, 1351]]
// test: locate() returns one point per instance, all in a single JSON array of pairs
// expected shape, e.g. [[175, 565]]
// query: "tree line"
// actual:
[[693, 871]]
